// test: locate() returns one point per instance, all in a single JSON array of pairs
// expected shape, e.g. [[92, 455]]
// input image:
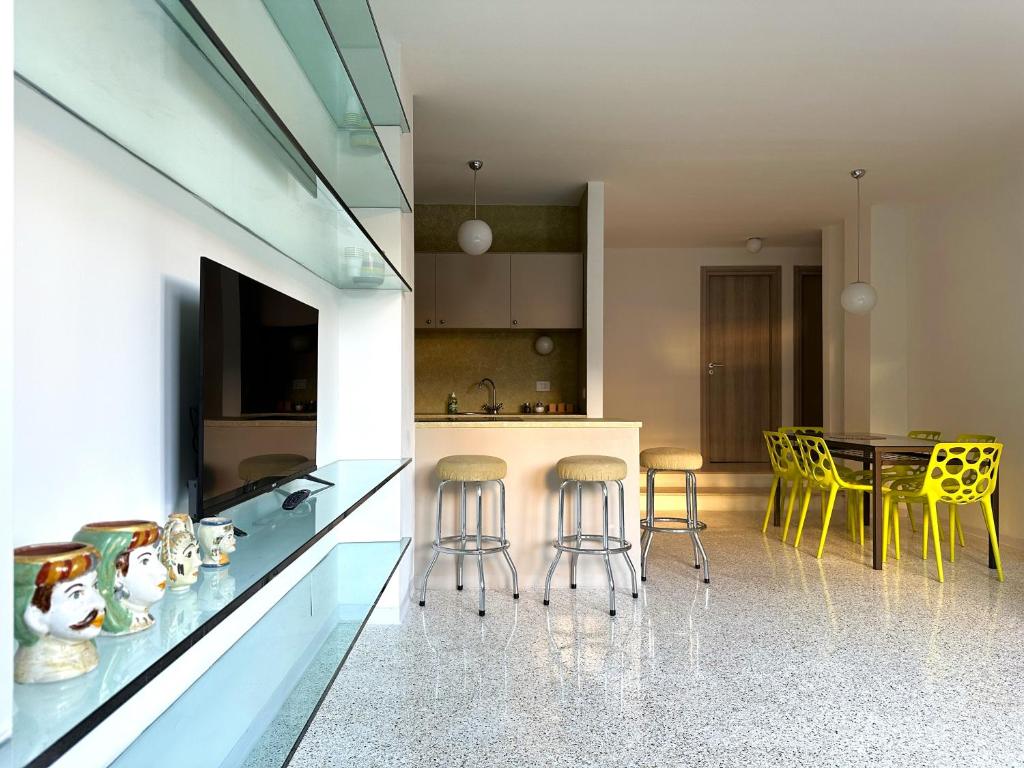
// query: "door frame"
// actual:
[[799, 270], [774, 273]]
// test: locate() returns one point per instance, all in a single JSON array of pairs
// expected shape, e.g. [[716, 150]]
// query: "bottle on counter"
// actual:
[[453, 404]]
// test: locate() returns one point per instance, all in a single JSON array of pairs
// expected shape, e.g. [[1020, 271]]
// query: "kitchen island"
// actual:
[[531, 445]]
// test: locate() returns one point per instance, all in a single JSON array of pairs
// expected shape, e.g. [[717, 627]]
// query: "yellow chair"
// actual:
[[908, 470], [957, 473], [954, 514], [782, 455], [824, 474]]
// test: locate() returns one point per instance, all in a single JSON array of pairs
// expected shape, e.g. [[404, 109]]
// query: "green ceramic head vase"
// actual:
[[57, 611], [131, 576]]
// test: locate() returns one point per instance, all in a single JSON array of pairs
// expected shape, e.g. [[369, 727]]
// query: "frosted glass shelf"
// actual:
[[264, 701], [50, 718], [152, 76]]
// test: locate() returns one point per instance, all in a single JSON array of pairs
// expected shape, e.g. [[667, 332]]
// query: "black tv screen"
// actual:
[[258, 401]]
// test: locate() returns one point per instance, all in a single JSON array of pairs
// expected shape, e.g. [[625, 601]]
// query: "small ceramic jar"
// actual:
[[57, 611], [179, 552], [131, 577], [216, 540]]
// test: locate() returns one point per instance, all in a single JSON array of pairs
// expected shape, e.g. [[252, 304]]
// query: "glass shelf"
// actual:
[[265, 700], [152, 76], [50, 718]]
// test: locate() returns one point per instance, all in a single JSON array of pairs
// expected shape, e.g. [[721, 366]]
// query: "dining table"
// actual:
[[873, 452]]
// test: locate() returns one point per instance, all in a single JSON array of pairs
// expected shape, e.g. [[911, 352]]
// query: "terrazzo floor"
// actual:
[[783, 660]]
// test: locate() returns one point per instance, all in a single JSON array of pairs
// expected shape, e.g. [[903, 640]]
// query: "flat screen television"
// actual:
[[257, 409]]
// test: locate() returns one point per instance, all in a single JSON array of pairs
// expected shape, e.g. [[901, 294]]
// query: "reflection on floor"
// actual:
[[782, 660]]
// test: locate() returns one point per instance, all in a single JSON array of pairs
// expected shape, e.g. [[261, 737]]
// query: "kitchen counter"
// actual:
[[531, 446], [430, 420]]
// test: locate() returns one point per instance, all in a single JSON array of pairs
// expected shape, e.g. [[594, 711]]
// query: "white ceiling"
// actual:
[[709, 120]]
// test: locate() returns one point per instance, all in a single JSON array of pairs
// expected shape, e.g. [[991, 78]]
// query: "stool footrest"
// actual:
[[687, 528], [467, 546], [568, 544]]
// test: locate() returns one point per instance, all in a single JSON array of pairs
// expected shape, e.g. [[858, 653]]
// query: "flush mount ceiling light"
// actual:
[[755, 244], [474, 234], [858, 297]]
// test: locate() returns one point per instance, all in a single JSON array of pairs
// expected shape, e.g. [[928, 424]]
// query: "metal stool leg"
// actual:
[[558, 552], [504, 540], [437, 543], [462, 536], [622, 535], [645, 543], [691, 503], [480, 544], [573, 557], [607, 557]]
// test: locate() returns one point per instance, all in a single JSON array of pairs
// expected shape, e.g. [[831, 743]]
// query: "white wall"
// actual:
[[833, 275], [965, 270], [888, 371], [6, 409], [652, 365]]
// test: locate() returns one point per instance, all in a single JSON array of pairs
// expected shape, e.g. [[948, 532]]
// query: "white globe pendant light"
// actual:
[[474, 234], [858, 297]]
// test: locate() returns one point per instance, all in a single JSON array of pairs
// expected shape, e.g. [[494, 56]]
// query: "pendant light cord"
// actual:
[[858, 220], [474, 196]]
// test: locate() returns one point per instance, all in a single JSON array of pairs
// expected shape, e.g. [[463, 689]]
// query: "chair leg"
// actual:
[[645, 540], [896, 528], [693, 519], [607, 557], [910, 514], [927, 531], [886, 509], [803, 516], [771, 501], [790, 502], [832, 492], [622, 535], [462, 538], [504, 540], [437, 543], [480, 544], [952, 534], [558, 552], [954, 512], [986, 508], [573, 557], [933, 518]]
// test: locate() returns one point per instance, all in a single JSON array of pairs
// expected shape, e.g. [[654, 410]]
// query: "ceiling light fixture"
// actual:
[[858, 297], [474, 234], [755, 244]]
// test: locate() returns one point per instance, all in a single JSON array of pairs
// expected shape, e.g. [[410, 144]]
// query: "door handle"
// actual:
[[712, 366]]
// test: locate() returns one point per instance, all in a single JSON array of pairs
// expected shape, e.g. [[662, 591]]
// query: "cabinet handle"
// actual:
[[442, 322], [428, 322], [515, 322]]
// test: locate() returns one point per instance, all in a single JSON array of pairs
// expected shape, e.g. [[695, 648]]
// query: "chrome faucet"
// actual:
[[491, 407]]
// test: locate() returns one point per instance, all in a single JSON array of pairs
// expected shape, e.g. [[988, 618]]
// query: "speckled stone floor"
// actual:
[[783, 660]]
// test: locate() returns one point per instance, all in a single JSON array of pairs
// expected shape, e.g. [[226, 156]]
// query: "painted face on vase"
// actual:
[[179, 552], [58, 611], [131, 575], [217, 540]]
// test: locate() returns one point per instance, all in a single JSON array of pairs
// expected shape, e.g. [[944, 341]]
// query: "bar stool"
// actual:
[[672, 460], [471, 469], [590, 469]]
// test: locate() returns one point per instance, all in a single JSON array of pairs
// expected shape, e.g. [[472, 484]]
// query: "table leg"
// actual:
[[866, 506], [777, 516], [876, 511], [995, 518]]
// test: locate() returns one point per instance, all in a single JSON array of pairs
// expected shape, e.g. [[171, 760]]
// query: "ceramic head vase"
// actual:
[[131, 576], [179, 552], [217, 541], [57, 611]]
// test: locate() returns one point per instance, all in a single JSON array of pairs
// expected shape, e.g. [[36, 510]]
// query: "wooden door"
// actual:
[[740, 371], [472, 291], [547, 290], [423, 291], [807, 347]]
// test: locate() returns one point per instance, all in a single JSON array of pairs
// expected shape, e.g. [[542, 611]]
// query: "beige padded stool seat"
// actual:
[[591, 469], [674, 459], [471, 468]]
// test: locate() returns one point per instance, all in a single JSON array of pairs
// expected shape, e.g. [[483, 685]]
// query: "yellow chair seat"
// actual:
[[591, 469], [675, 459], [470, 468]]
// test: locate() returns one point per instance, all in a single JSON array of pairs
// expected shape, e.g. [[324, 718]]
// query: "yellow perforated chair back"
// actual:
[[782, 455], [818, 464], [962, 473], [967, 437], [819, 431], [925, 434]]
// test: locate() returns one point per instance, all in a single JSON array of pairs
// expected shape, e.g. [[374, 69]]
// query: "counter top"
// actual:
[[528, 421]]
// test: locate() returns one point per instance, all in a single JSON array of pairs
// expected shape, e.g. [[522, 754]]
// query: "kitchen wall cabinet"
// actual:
[[472, 291], [547, 290], [499, 290], [423, 291]]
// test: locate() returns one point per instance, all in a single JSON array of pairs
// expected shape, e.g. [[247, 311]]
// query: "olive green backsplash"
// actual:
[[552, 228], [453, 361]]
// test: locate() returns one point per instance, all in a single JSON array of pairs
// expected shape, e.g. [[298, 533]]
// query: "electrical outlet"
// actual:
[[543, 386]]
